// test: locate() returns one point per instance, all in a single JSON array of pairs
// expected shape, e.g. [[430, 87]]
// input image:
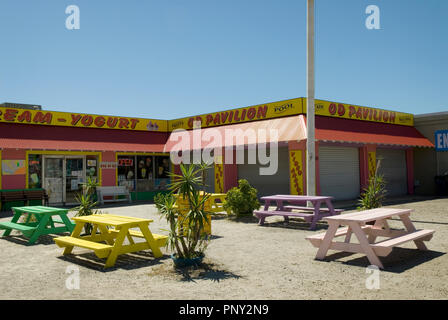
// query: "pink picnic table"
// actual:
[[358, 223], [312, 214]]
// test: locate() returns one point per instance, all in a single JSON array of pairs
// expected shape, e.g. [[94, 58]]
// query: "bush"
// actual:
[[242, 200], [375, 193]]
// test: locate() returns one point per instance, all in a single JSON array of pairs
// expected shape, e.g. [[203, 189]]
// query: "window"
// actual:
[[34, 171], [143, 173], [92, 167], [126, 172], [162, 171]]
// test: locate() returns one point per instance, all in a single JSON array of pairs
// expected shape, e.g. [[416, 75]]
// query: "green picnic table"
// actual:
[[44, 222]]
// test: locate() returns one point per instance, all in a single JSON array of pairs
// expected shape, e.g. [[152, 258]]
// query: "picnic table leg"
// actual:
[[40, 227], [330, 207], [348, 236], [410, 228], [151, 241], [316, 215], [110, 262], [76, 232], [365, 245], [326, 241], [379, 224], [14, 219], [67, 222]]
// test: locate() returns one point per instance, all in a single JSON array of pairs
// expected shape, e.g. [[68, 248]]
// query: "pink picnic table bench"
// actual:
[[358, 223], [310, 214]]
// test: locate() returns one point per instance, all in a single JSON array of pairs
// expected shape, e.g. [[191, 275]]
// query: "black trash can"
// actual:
[[441, 185]]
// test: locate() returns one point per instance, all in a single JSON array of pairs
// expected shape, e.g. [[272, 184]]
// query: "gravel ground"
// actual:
[[243, 261]]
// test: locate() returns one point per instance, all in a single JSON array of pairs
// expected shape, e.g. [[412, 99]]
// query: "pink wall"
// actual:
[[108, 176], [13, 181]]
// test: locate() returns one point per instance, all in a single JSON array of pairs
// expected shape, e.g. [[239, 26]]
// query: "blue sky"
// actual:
[[169, 59]]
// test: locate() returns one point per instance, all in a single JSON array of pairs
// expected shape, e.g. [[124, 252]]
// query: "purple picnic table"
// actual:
[[312, 214]]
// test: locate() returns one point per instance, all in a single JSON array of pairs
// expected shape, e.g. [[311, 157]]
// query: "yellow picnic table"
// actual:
[[213, 205], [108, 234]]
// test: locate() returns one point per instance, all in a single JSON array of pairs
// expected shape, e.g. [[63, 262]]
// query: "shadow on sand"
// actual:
[[204, 271], [400, 260], [128, 261]]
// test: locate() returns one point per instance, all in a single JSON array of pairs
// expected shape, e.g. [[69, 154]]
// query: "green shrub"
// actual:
[[242, 200], [375, 193]]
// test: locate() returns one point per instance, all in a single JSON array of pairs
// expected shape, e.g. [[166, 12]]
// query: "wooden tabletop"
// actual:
[[295, 197], [39, 210], [369, 215], [111, 220]]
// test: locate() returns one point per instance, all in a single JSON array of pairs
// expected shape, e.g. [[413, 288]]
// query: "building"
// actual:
[[431, 162], [58, 151]]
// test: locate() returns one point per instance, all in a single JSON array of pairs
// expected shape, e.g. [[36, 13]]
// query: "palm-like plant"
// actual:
[[375, 193], [86, 202], [186, 236]]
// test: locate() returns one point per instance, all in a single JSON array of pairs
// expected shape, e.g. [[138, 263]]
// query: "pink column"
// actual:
[[410, 169], [363, 167], [230, 172], [108, 176], [14, 181]]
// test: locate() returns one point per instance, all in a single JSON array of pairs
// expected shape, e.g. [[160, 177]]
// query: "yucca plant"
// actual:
[[86, 207], [186, 238], [374, 194]]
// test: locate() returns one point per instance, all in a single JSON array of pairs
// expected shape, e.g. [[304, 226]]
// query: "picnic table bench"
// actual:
[[113, 230], [23, 195], [46, 222], [312, 214], [356, 223]]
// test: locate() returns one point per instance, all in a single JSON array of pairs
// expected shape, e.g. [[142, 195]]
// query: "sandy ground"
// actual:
[[243, 261]]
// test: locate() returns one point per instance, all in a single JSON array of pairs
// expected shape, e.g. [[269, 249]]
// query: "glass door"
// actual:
[[53, 179], [74, 178]]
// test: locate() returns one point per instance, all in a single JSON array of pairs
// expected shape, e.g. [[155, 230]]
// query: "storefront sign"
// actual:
[[108, 165], [441, 140], [126, 162], [348, 111], [13, 167], [80, 120], [259, 112]]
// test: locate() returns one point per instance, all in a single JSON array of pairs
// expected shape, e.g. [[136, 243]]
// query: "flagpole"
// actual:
[[310, 81]]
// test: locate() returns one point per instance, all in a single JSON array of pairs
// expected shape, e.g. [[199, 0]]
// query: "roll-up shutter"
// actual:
[[339, 172], [267, 184], [393, 167]]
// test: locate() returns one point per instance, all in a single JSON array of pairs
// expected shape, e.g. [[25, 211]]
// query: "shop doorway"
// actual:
[[63, 177]]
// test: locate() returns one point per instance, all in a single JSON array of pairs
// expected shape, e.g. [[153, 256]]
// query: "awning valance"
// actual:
[[249, 133], [294, 129], [23, 136]]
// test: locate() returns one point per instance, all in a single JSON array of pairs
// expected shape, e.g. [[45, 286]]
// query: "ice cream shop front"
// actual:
[[59, 151]]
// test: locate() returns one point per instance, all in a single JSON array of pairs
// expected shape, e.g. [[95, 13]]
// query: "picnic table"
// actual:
[[113, 230], [47, 220], [367, 234], [312, 214]]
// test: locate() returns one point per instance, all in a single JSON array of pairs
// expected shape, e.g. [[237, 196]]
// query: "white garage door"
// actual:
[[267, 185], [393, 167], [339, 172]]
